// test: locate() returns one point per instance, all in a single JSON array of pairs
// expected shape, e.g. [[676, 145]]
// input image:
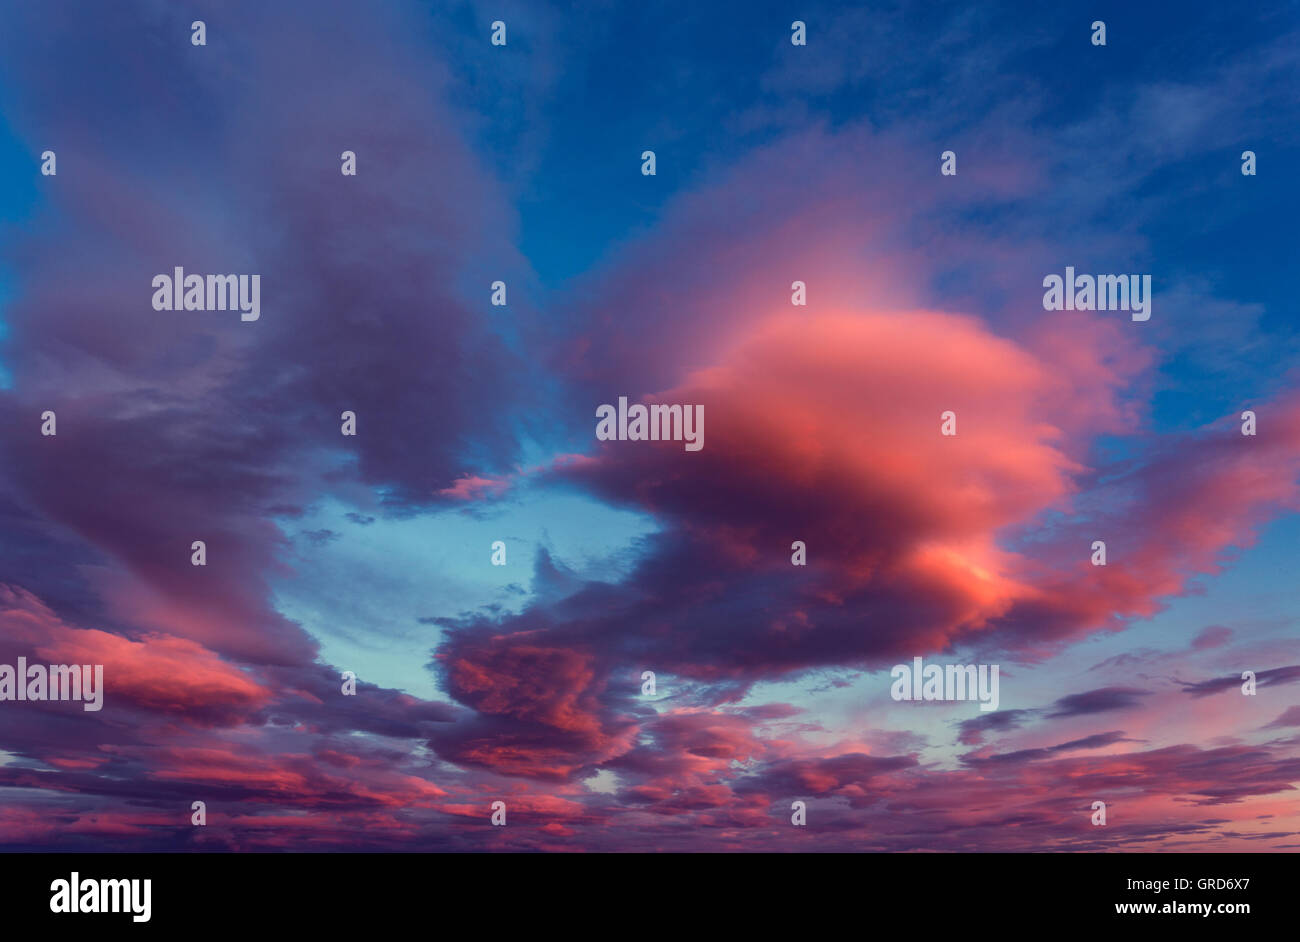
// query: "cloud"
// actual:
[[158, 673], [1289, 718], [1214, 636], [1100, 700], [972, 731], [1097, 741], [1264, 678]]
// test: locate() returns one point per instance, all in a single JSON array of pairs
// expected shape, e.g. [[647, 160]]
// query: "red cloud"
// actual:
[[158, 673]]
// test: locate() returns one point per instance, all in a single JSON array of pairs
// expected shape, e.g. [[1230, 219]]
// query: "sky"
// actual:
[[476, 424]]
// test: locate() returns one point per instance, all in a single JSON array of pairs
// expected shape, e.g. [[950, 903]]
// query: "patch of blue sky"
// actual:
[[372, 588]]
